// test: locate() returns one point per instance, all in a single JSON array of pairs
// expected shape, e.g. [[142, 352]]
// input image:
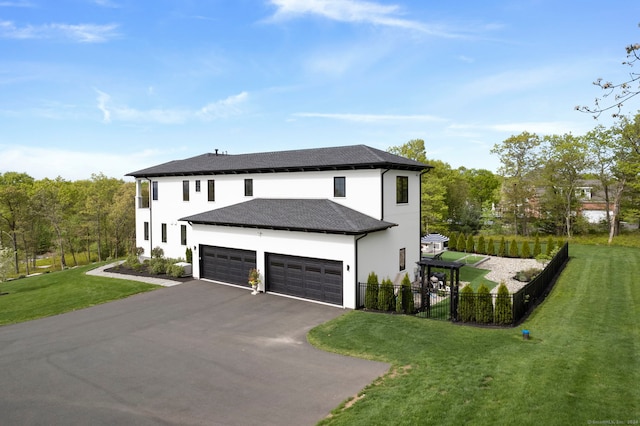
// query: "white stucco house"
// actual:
[[315, 222]]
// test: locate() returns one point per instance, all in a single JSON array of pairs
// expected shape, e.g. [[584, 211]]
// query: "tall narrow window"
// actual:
[[164, 232], [339, 187], [248, 187], [402, 189], [211, 190], [183, 235], [197, 186], [185, 190], [154, 190], [403, 259], [146, 231]]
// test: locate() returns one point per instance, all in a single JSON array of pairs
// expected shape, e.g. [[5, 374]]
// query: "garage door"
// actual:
[[226, 264], [316, 279]]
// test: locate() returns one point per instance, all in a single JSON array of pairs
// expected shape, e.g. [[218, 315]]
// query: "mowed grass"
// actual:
[[59, 292], [582, 363]]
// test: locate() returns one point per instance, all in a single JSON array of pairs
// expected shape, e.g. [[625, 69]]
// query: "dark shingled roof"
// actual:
[[308, 215], [335, 158]]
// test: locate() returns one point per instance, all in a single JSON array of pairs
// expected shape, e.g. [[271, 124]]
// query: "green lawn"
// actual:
[[58, 292], [582, 363]]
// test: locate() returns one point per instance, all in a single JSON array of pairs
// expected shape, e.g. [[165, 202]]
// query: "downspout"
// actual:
[[150, 216], [355, 270]]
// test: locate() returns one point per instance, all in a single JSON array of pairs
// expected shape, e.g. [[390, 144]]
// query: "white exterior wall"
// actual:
[[306, 244]]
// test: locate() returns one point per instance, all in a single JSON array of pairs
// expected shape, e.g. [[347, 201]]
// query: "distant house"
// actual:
[[314, 221]]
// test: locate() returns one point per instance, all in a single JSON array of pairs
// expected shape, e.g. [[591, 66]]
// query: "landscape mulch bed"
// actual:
[[144, 272]]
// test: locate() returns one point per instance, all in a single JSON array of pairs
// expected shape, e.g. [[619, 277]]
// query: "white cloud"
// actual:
[[354, 11], [16, 4], [81, 33], [371, 118], [224, 108]]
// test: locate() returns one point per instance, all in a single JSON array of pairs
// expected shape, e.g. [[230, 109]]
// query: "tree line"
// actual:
[[536, 189], [91, 219]]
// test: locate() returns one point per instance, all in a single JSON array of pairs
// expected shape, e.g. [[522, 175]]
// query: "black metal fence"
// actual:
[[446, 303]]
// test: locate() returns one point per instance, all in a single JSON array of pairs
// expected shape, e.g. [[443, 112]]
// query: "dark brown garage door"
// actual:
[[309, 278], [226, 264]]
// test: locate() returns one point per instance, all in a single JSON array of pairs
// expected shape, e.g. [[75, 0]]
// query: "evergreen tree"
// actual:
[[462, 243], [482, 247], [470, 244], [467, 305], [484, 311], [491, 247], [513, 249], [453, 241], [408, 304], [504, 309], [537, 248], [526, 250], [502, 249], [371, 292], [386, 301], [550, 246]]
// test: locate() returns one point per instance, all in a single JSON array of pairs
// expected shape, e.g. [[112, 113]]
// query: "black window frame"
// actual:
[[183, 235], [164, 232], [154, 190], [402, 189], [211, 190], [339, 186], [248, 187], [185, 190], [198, 185], [146, 231], [403, 259]]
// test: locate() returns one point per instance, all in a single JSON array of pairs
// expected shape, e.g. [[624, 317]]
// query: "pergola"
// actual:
[[454, 276]]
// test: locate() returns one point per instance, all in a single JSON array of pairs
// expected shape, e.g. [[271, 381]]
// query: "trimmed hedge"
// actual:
[[484, 305], [386, 298], [504, 309], [467, 305], [371, 292]]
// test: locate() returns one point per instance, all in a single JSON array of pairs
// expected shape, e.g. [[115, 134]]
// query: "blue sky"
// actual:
[[113, 86]]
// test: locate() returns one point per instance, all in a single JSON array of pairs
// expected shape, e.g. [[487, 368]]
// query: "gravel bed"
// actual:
[[503, 269]]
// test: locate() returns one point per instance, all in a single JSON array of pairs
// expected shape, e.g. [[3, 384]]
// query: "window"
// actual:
[[339, 187], [211, 190], [183, 235], [402, 189], [403, 258], [146, 231], [185, 190], [197, 186], [154, 190], [164, 232], [248, 187]]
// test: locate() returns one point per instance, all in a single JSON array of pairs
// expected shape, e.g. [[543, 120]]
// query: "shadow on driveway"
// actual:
[[198, 353]]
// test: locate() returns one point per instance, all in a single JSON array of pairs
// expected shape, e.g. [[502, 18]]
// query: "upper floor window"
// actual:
[[185, 190], [402, 189], [164, 232], [183, 235], [211, 190], [146, 231], [154, 190], [248, 187], [403, 259], [339, 187], [197, 186]]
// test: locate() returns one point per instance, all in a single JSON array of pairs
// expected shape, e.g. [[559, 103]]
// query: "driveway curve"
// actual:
[[194, 354]]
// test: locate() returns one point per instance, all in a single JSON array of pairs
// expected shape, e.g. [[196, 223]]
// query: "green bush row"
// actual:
[[479, 308], [516, 248], [381, 296]]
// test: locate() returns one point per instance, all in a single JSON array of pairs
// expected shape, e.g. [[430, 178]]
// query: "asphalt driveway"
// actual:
[[197, 353]]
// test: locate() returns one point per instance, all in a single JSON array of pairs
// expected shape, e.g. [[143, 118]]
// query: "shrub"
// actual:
[[157, 253], [386, 300], [513, 248], [467, 305], [462, 243], [491, 247], [526, 250], [484, 305], [189, 254], [175, 270], [482, 247], [527, 275], [537, 248], [504, 310], [501, 250], [371, 292], [133, 261], [470, 244], [407, 296], [158, 265]]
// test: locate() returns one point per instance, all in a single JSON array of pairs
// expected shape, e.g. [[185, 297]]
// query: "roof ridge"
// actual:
[[337, 208]]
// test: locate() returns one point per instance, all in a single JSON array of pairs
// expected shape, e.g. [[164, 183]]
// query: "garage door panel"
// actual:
[[309, 278], [227, 264]]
